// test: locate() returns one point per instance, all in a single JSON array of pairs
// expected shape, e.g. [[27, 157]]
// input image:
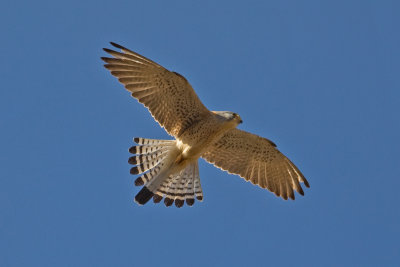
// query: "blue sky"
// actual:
[[319, 78]]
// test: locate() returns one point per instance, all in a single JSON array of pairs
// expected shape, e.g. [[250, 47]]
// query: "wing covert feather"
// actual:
[[257, 160]]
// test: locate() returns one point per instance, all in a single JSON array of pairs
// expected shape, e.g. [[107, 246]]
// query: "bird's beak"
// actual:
[[241, 121]]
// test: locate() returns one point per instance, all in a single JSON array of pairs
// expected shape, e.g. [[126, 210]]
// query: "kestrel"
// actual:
[[169, 168]]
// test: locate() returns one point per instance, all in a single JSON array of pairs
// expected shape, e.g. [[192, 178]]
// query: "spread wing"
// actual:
[[168, 96], [257, 160]]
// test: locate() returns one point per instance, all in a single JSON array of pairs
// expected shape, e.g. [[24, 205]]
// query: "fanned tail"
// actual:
[[150, 156], [152, 161], [181, 187]]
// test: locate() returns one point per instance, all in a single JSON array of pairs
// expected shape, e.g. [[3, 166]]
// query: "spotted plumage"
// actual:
[[169, 168]]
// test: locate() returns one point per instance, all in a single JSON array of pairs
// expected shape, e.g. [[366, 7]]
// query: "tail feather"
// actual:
[[143, 150], [145, 178], [197, 185], [157, 198], [146, 158], [145, 166], [143, 196], [182, 187], [145, 141], [150, 159], [163, 189], [189, 188]]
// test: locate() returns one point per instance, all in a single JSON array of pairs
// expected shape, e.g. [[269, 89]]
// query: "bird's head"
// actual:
[[229, 116]]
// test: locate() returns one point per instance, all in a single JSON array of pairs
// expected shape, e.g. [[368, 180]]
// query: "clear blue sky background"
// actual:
[[319, 78]]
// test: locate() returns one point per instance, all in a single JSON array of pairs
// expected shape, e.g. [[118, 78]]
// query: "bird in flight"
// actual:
[[169, 168]]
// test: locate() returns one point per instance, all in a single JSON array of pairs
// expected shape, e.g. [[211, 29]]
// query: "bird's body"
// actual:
[[169, 167], [192, 140]]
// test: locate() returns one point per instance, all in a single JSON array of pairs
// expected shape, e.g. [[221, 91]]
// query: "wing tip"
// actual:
[[107, 50], [306, 182], [300, 191], [117, 45], [104, 59]]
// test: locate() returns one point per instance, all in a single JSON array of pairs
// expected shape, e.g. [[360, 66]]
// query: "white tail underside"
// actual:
[[155, 160]]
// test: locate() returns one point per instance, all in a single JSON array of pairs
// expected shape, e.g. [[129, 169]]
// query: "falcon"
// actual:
[[169, 169]]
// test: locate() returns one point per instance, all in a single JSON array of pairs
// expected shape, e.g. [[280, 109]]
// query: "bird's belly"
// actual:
[[192, 153]]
